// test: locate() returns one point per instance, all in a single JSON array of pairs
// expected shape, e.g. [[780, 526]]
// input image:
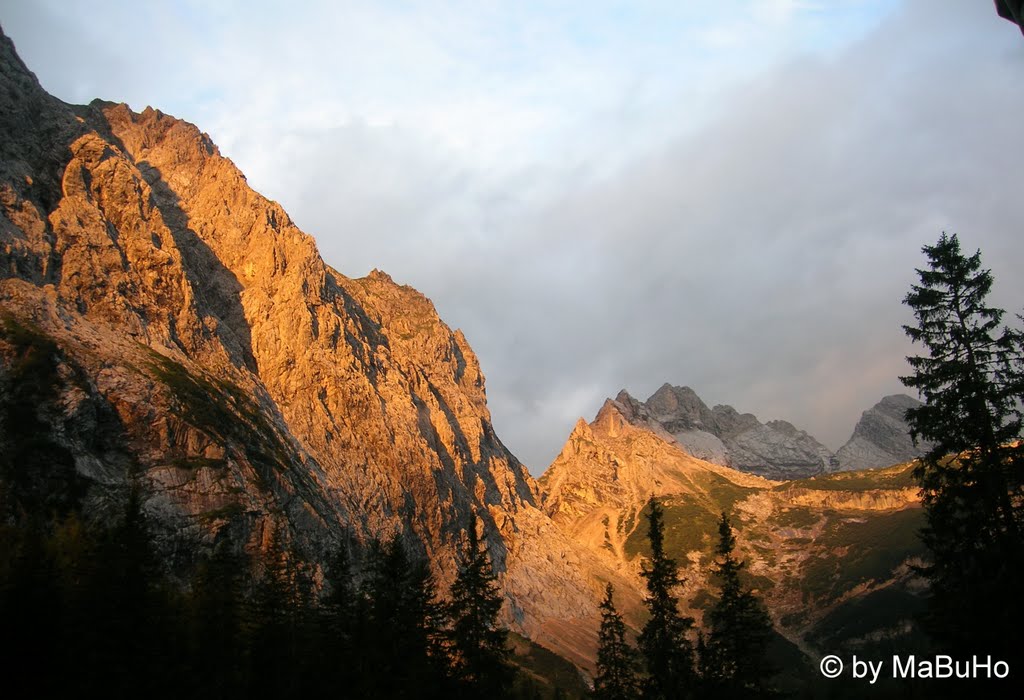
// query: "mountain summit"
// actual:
[[882, 436], [776, 450]]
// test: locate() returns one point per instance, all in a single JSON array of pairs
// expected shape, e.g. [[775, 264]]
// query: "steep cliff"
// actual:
[[882, 436], [188, 338]]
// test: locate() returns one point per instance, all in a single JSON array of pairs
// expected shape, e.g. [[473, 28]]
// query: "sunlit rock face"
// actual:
[[201, 347], [820, 549]]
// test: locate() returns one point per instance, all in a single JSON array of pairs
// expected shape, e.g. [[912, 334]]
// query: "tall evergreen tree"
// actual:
[[479, 645], [339, 616], [215, 603], [130, 598], [616, 677], [663, 641], [734, 660], [404, 625], [275, 617], [971, 479]]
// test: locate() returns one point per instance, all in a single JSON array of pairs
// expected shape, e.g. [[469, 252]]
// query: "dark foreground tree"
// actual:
[[971, 383], [400, 640], [663, 642], [617, 661], [479, 645], [216, 614], [734, 660]]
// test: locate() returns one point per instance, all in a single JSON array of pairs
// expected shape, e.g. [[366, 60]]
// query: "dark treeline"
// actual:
[[90, 609], [730, 658]]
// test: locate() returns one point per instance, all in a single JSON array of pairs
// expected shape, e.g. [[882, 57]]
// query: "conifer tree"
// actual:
[[217, 619], [971, 383], [338, 615], [275, 619], [130, 600], [479, 645], [664, 644], [733, 657], [404, 624], [616, 677]]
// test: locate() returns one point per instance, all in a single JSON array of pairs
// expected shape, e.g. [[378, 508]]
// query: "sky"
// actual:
[[605, 194]]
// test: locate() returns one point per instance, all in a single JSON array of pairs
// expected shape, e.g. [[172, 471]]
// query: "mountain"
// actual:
[[882, 436], [165, 327], [776, 450], [831, 554]]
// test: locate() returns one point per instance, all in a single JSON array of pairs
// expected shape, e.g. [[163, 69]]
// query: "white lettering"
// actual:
[[987, 664], [943, 666], [901, 671], [861, 669]]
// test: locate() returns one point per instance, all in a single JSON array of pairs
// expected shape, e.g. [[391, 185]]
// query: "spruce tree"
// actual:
[[666, 649], [405, 625], [734, 659], [275, 617], [616, 677], [479, 645], [971, 383], [216, 622], [129, 596], [339, 608]]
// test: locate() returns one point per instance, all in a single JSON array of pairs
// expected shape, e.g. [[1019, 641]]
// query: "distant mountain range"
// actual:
[[776, 449]]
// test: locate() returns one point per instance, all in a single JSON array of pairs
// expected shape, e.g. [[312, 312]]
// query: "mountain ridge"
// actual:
[[776, 449], [186, 337], [820, 550]]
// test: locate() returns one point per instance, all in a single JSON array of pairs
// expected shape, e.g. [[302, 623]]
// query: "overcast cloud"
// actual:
[[606, 195]]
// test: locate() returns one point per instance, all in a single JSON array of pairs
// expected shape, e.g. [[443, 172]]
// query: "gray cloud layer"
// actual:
[[760, 259]]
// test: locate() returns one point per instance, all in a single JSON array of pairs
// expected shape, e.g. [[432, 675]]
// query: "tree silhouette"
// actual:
[[404, 624], [217, 619], [733, 656], [479, 645], [971, 383], [617, 661], [663, 641]]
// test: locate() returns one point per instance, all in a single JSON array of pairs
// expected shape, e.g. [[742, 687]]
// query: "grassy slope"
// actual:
[[838, 568]]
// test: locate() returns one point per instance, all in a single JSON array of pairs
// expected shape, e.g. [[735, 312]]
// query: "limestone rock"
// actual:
[[882, 436], [797, 537], [776, 450]]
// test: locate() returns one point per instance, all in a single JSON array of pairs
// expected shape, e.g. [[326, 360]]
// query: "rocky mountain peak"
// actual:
[[881, 436], [678, 405], [610, 419], [725, 436]]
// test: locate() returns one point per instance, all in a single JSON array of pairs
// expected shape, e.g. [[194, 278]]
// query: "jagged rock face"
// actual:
[[199, 342], [882, 436], [812, 546], [607, 471], [776, 450]]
